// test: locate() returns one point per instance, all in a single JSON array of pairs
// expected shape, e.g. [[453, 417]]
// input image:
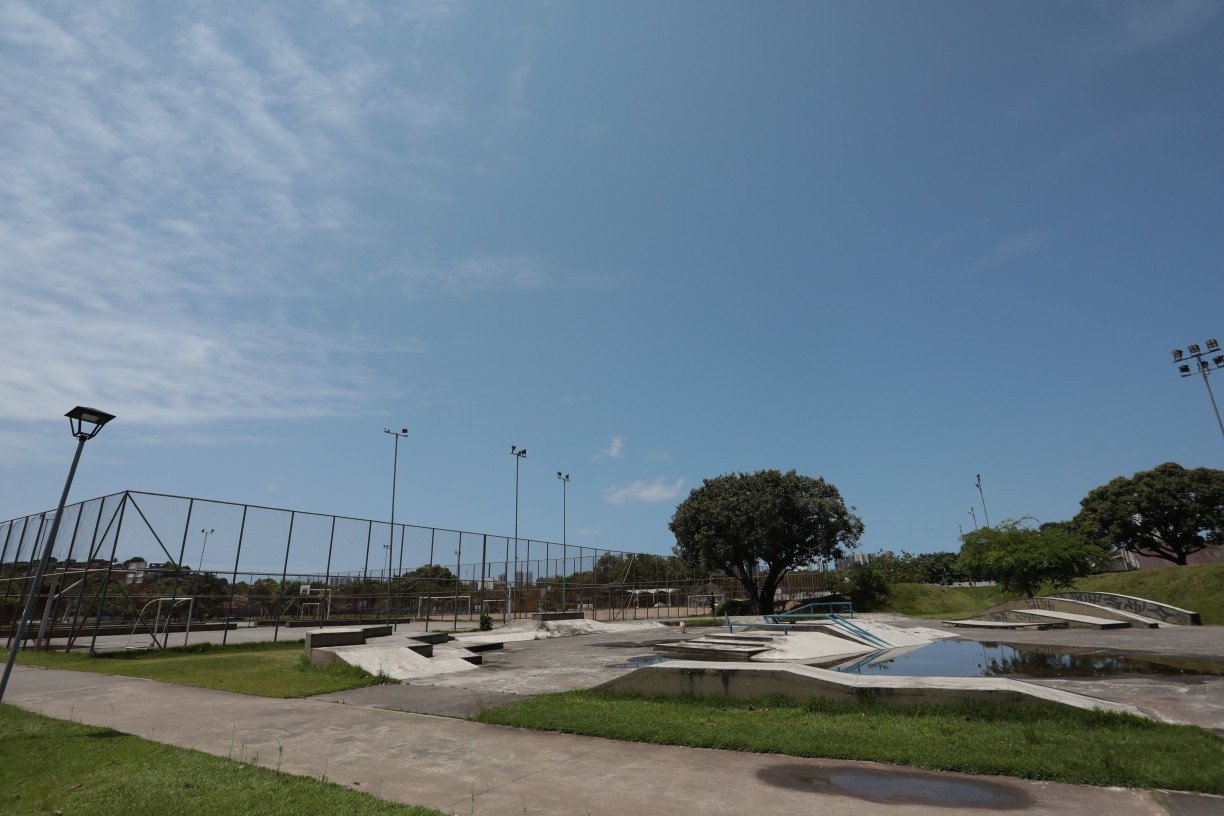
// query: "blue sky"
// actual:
[[891, 244]]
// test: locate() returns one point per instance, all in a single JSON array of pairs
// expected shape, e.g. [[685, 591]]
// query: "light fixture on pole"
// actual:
[[85, 424], [519, 455], [391, 534], [985, 512], [564, 526], [206, 532], [1193, 361]]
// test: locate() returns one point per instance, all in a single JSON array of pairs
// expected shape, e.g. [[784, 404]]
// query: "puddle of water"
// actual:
[[970, 658], [897, 787], [639, 661]]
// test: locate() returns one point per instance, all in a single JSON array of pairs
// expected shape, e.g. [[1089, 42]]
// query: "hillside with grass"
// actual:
[[1199, 588]]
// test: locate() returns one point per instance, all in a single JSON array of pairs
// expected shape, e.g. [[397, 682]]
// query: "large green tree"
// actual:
[[1021, 559], [736, 521], [1167, 512]]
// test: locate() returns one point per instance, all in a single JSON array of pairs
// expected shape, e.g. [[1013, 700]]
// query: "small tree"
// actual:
[[735, 521], [1020, 559], [1167, 512]]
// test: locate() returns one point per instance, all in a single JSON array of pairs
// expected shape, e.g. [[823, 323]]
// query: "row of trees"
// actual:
[[736, 522]]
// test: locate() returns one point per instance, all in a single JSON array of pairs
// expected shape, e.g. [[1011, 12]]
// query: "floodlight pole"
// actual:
[[519, 454], [985, 512], [564, 526], [1192, 361], [391, 532], [973, 513], [206, 532], [32, 600]]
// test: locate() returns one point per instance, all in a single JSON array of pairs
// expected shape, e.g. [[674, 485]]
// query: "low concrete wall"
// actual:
[[556, 616], [798, 682]]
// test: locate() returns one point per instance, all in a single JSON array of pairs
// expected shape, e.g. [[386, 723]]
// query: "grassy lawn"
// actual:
[[266, 669], [53, 766], [1067, 745], [1198, 588]]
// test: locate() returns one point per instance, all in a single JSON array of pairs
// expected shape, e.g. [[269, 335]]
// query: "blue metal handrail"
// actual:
[[858, 631]]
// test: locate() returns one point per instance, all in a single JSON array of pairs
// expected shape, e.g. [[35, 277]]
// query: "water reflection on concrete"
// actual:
[[891, 787]]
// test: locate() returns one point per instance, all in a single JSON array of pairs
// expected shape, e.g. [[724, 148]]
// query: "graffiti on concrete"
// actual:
[[1137, 606]]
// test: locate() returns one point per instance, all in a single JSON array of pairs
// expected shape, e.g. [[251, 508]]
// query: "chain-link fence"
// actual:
[[150, 564]]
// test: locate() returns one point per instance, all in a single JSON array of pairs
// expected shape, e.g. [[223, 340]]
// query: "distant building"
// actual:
[[134, 570], [848, 561]]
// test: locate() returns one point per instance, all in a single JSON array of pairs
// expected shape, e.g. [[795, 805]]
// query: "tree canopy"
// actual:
[[737, 520], [1167, 512], [1020, 559]]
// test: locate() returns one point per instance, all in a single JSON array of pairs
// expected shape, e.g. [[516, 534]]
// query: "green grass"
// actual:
[[53, 766], [1199, 588], [1053, 743], [265, 669]]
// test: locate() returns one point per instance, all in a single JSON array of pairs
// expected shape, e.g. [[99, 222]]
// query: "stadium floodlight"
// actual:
[[85, 424], [1200, 366]]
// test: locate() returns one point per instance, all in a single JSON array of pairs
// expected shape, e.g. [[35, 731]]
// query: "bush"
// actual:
[[486, 622], [734, 606]]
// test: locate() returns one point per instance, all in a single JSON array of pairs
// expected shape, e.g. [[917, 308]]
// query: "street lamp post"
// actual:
[[391, 533], [985, 512], [206, 532], [85, 424], [1192, 361], [564, 526], [519, 455]]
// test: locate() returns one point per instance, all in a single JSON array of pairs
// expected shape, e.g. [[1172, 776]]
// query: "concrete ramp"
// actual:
[[1151, 610], [1084, 610], [399, 657]]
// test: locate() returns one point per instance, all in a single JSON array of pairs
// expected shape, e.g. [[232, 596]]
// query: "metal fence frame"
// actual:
[[89, 592]]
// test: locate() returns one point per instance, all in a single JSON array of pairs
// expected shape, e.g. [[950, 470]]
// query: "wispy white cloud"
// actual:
[[468, 276], [653, 492], [1014, 247], [1140, 25], [586, 532], [614, 450], [164, 181]]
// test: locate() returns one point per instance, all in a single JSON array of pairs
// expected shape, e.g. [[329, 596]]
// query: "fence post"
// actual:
[[433, 533], [229, 612], [280, 593], [331, 540], [178, 576], [109, 566], [484, 551], [458, 568]]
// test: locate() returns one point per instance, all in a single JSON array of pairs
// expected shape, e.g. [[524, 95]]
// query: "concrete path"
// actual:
[[469, 768]]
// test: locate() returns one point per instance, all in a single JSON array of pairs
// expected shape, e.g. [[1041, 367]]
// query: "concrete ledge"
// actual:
[[798, 682], [990, 624]]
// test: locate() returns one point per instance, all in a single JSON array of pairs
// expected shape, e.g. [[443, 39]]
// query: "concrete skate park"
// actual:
[[1171, 672], [474, 768], [590, 629]]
